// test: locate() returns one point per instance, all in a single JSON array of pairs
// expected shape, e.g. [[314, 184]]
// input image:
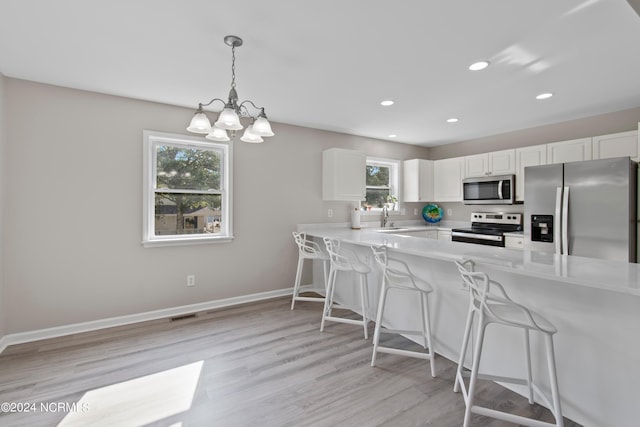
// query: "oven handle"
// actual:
[[476, 236]]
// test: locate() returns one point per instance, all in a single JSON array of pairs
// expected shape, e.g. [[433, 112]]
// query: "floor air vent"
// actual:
[[185, 316]]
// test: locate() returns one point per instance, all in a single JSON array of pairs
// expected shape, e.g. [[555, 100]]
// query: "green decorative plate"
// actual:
[[432, 213]]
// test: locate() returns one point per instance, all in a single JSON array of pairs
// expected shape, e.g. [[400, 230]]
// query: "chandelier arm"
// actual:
[[211, 102], [248, 101]]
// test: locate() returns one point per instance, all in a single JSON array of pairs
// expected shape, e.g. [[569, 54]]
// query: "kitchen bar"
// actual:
[[595, 304]]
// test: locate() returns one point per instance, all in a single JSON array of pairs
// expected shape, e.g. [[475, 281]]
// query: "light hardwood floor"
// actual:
[[258, 364]]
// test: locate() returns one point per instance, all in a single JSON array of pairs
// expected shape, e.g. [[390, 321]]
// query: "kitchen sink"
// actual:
[[391, 229]]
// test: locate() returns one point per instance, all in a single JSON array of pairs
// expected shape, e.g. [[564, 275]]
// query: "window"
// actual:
[[381, 183], [187, 190]]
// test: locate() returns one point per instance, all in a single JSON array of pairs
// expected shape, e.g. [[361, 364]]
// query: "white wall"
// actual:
[[2, 203], [74, 209]]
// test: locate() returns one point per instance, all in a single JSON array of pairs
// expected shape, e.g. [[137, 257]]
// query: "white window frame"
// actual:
[[394, 180], [151, 139]]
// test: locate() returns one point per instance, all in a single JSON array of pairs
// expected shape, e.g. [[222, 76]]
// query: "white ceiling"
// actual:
[[327, 64]]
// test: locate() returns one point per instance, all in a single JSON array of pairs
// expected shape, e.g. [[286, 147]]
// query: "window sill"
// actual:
[[185, 241]]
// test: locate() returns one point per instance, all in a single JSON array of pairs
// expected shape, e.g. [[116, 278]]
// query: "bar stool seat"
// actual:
[[397, 275], [308, 249], [342, 259], [498, 308]]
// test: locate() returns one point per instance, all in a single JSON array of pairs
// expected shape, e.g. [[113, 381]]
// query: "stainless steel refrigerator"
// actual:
[[582, 208]]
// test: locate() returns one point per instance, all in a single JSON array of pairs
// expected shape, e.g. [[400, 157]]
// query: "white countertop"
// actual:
[[614, 276]]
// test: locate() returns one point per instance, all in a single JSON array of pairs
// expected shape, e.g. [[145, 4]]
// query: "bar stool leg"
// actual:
[[376, 330], [328, 300], [553, 381], [363, 297], [296, 286], [463, 351], [527, 349], [474, 371], [426, 328]]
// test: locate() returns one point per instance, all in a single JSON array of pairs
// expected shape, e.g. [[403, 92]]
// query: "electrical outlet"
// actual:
[[449, 211], [191, 280], [415, 211], [330, 213]]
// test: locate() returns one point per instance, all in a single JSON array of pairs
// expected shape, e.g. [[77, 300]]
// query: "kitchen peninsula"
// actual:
[[595, 305]]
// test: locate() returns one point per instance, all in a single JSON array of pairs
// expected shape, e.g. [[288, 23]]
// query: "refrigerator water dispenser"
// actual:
[[542, 228]]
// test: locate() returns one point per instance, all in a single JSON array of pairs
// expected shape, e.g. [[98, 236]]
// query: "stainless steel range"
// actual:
[[488, 228]]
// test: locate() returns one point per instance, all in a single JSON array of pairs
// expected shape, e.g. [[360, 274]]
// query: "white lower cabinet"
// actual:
[[444, 235], [514, 242]]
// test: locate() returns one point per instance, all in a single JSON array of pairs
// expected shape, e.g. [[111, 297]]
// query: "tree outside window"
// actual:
[[381, 183], [187, 190]]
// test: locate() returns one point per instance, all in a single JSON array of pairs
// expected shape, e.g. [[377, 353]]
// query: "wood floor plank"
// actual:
[[259, 364]]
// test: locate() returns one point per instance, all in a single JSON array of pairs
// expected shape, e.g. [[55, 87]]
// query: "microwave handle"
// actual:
[[500, 190]]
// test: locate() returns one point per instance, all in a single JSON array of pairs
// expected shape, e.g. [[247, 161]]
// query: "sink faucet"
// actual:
[[385, 216]]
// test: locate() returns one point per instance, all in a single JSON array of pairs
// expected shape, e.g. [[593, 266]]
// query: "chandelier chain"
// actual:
[[233, 66]]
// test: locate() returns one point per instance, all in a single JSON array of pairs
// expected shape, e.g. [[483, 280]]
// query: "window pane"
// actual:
[[187, 168], [376, 197], [177, 213], [377, 176]]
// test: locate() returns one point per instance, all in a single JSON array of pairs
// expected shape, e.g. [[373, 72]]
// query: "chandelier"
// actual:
[[229, 117]]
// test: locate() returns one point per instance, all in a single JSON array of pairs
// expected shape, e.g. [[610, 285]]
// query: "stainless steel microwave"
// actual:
[[489, 190]]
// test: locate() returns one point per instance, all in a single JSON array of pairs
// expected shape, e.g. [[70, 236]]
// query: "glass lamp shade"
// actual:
[[199, 124], [217, 134], [262, 127], [229, 120], [251, 137]]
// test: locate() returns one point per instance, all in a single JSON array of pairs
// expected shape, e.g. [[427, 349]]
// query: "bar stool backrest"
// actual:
[[487, 303], [307, 248], [396, 272]]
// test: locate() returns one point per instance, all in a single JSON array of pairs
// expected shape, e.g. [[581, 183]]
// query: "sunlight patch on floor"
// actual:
[[138, 401]]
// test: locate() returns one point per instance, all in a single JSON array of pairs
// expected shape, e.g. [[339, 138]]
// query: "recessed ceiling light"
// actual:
[[480, 65], [544, 95], [393, 135], [452, 120], [387, 103]]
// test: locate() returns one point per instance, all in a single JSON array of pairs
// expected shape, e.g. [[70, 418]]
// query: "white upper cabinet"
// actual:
[[343, 175], [535, 155], [494, 163], [620, 144], [418, 180], [447, 179], [569, 151]]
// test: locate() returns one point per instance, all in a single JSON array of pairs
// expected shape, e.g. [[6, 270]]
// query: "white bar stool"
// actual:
[[344, 260], [397, 275], [492, 308], [307, 249]]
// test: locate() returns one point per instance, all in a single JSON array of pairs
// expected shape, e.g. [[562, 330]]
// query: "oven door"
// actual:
[[467, 236], [489, 190]]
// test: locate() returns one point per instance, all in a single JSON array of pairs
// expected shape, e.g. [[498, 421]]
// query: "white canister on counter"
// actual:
[[355, 219]]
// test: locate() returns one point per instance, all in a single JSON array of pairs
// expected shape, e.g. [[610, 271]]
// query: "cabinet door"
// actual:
[[476, 165], [343, 175], [569, 151], [418, 180], [502, 162], [528, 156], [616, 145], [447, 179], [444, 235], [513, 242]]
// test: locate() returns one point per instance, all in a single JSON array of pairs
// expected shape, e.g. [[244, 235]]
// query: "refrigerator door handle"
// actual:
[[500, 189], [556, 225], [565, 221]]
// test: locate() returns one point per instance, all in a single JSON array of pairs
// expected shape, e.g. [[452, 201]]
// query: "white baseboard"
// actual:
[[58, 331]]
